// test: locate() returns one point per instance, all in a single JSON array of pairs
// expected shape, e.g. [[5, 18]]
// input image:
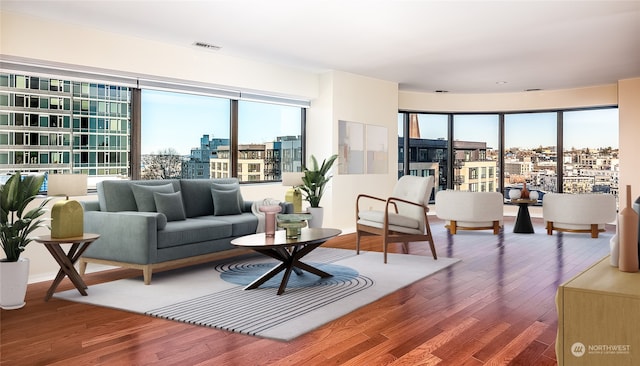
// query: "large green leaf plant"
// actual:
[[15, 223], [314, 180]]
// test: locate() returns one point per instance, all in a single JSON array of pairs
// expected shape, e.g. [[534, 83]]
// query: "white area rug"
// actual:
[[212, 294]]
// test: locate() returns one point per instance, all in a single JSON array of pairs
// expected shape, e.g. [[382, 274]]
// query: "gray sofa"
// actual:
[[155, 224]]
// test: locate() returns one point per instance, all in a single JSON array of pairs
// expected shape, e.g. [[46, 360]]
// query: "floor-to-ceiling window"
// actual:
[[427, 147], [184, 135], [590, 151], [57, 125], [150, 129], [193, 136], [530, 151], [270, 141], [500, 151], [476, 152]]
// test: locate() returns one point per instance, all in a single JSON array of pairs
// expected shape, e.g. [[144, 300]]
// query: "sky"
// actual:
[[178, 121], [588, 128]]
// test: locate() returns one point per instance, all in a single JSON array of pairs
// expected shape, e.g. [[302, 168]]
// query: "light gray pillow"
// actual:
[[227, 199], [170, 204], [143, 195]]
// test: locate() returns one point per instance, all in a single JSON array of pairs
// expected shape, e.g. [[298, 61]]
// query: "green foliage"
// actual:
[[314, 180], [15, 224]]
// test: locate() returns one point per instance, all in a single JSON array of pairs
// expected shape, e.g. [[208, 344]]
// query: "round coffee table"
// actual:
[[288, 251]]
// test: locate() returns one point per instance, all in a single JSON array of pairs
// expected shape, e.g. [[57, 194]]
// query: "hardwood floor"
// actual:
[[495, 307]]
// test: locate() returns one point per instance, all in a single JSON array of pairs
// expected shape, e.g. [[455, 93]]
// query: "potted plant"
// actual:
[[15, 227], [313, 185]]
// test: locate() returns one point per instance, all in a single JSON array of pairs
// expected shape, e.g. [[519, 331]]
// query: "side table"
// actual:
[[523, 220], [66, 261]]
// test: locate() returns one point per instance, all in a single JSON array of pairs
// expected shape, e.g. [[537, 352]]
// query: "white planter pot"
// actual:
[[316, 216], [13, 283]]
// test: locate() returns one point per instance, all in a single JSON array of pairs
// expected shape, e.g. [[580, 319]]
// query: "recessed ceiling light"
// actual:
[[441, 91], [501, 82], [533, 89], [208, 46]]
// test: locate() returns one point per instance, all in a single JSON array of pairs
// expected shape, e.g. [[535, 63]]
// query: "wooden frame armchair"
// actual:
[[404, 218]]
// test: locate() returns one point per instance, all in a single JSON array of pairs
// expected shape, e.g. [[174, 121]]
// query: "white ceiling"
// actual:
[[458, 46]]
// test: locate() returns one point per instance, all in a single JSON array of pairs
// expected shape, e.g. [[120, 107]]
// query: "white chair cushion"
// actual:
[[394, 219], [394, 228]]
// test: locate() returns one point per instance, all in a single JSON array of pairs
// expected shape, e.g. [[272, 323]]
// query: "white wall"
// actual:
[[596, 96], [629, 114], [364, 100]]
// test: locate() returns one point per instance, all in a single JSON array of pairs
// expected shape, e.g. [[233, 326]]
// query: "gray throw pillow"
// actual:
[[143, 195], [227, 199], [170, 204]]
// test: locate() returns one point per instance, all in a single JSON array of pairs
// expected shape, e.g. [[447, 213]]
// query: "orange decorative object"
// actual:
[[525, 192]]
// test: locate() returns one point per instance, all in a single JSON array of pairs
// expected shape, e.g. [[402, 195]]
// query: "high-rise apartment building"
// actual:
[[197, 166], [64, 126]]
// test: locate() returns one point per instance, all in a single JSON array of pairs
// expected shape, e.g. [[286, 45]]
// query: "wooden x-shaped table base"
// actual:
[[66, 261]]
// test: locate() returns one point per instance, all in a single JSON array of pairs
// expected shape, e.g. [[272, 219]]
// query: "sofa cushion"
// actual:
[[196, 196], [191, 231], [116, 195], [227, 199], [170, 204], [243, 224], [143, 195]]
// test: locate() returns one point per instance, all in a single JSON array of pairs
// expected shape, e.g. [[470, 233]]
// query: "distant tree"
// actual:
[[165, 164]]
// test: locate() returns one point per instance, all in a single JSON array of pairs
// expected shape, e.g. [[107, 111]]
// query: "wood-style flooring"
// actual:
[[496, 307]]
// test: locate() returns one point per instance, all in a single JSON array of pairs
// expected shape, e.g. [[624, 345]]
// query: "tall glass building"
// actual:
[[64, 126]]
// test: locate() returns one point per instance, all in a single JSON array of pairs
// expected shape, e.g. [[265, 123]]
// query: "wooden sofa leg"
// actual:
[[452, 227], [549, 227], [146, 274], [594, 230], [496, 227]]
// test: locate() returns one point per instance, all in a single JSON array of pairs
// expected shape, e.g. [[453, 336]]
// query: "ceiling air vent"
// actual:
[[208, 46]]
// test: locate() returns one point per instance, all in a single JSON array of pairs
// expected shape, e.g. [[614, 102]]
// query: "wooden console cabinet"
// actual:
[[599, 318]]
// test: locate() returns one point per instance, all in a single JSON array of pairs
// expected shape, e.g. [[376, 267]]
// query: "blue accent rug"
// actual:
[[245, 272]]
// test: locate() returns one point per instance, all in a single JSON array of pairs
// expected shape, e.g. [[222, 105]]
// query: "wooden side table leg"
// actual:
[[69, 269], [59, 276], [66, 266]]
